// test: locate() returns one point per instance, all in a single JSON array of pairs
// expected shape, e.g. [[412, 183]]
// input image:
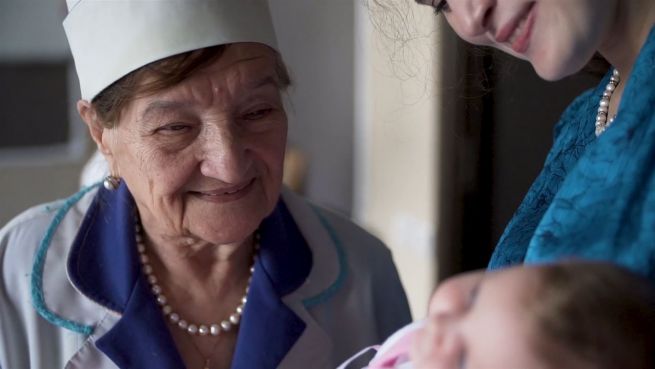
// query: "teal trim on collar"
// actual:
[[343, 265], [36, 279]]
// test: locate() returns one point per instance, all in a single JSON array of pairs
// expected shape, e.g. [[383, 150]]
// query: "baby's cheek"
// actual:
[[423, 348]]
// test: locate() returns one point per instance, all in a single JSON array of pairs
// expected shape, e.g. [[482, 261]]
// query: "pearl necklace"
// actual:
[[602, 120], [211, 329]]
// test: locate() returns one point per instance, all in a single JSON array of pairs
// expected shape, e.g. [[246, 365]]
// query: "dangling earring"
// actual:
[[111, 182]]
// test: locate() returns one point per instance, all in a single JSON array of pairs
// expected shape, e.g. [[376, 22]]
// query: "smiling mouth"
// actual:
[[518, 31], [226, 194]]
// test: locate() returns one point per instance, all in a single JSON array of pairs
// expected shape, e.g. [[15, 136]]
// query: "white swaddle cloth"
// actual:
[[393, 353]]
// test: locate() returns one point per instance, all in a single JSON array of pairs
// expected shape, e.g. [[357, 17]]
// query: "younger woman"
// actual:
[[595, 197]]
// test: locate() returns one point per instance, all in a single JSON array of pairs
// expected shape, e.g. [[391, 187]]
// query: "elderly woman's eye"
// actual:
[[440, 6], [257, 113], [174, 128]]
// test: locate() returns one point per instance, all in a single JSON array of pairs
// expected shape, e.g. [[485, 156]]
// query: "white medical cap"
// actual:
[[111, 38]]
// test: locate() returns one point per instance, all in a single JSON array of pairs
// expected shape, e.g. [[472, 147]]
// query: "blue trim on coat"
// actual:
[[104, 266], [269, 328], [140, 338], [36, 278], [343, 265], [103, 262]]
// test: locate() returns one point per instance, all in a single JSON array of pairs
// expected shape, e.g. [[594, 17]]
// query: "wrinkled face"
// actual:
[[557, 36], [477, 321], [203, 159]]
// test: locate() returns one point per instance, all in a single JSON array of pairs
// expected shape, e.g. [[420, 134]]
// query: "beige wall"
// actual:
[[31, 32], [395, 142]]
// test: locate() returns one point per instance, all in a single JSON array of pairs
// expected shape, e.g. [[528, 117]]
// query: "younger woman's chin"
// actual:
[[556, 68], [549, 74]]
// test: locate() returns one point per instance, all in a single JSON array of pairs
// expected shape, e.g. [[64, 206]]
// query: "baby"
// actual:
[[559, 316]]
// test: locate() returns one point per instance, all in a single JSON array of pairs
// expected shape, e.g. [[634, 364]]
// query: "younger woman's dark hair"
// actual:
[[598, 314], [168, 72]]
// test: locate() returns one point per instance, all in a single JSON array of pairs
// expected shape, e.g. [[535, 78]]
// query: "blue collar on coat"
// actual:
[[104, 266]]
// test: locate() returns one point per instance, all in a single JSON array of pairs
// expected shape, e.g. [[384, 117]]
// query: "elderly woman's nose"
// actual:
[[473, 17], [225, 157]]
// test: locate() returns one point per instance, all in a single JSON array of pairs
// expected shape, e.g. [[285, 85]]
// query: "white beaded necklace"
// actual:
[[211, 329], [602, 119]]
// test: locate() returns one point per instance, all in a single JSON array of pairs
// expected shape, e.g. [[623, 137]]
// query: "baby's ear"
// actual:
[[96, 129]]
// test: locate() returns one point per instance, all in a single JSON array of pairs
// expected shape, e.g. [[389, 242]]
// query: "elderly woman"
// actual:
[[189, 255]]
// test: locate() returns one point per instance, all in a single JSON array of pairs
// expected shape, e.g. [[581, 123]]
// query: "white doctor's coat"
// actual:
[[349, 295]]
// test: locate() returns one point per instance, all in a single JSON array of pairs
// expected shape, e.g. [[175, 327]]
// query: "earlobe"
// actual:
[[96, 129]]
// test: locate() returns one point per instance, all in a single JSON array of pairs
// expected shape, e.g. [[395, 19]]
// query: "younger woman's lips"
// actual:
[[510, 26], [522, 41]]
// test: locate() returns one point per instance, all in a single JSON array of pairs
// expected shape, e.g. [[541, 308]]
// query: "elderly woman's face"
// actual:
[[557, 36], [204, 158]]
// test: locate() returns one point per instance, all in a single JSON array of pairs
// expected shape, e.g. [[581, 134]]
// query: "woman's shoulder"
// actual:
[[352, 231], [30, 223], [581, 102], [43, 229], [351, 236], [21, 236], [578, 114], [577, 121], [573, 133]]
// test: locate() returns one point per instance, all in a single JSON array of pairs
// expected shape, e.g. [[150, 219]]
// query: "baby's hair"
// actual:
[[595, 314]]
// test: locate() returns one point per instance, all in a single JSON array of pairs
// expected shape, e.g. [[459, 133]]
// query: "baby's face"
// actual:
[[478, 321]]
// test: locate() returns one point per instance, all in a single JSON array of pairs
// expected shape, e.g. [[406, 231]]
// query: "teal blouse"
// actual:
[[595, 197]]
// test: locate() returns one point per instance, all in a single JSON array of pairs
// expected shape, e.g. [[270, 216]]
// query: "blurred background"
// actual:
[[427, 143]]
